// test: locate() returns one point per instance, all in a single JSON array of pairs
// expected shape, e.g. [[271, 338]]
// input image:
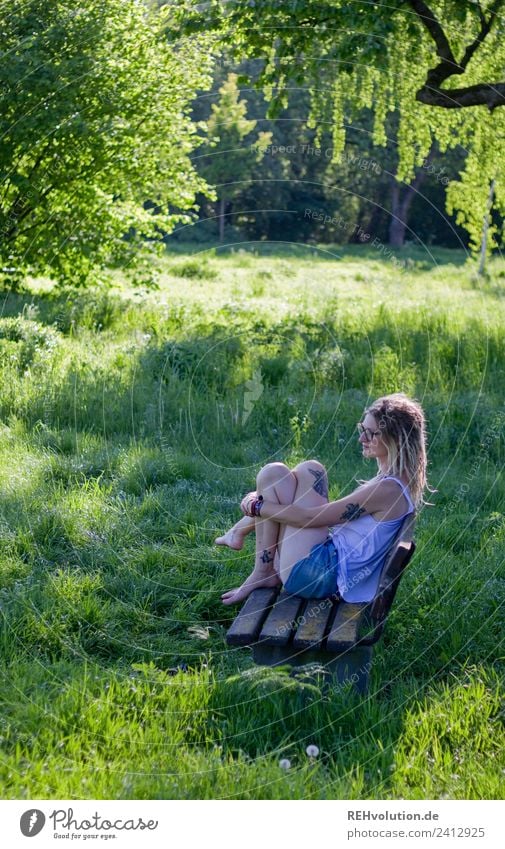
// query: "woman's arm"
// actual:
[[370, 498]]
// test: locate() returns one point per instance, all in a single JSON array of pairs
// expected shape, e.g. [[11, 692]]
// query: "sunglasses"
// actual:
[[369, 434]]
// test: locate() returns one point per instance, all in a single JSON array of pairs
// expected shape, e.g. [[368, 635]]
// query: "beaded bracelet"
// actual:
[[257, 505]]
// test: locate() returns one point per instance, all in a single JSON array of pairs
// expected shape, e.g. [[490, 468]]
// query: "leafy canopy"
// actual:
[[402, 56], [94, 106]]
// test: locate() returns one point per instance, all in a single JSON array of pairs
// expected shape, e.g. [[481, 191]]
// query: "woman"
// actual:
[[317, 548]]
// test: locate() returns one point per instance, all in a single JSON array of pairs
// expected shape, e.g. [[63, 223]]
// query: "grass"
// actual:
[[132, 423]]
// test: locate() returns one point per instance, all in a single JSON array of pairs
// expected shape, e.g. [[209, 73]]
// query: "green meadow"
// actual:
[[132, 422]]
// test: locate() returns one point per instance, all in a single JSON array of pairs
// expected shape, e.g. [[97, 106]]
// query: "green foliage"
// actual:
[[482, 168], [228, 128], [231, 151], [194, 269], [352, 59], [94, 105]]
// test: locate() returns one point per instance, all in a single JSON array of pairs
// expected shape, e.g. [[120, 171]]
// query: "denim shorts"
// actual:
[[315, 576]]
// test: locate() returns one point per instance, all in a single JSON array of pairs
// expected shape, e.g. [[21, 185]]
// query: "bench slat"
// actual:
[[344, 629], [246, 627], [314, 620], [281, 622]]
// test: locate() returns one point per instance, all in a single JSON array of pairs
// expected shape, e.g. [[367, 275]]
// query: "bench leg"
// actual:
[[350, 667], [353, 666]]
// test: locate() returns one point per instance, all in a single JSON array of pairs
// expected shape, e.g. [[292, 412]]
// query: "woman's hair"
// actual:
[[403, 429]]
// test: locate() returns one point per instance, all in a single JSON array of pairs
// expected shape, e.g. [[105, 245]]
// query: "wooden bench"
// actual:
[[336, 635]]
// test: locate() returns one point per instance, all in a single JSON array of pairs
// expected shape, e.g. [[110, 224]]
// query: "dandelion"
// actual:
[[284, 763], [312, 751]]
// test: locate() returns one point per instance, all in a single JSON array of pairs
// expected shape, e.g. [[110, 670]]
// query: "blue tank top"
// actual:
[[362, 546]]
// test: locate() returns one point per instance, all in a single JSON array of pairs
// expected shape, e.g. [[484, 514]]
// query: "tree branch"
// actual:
[[482, 94], [434, 28], [485, 27], [25, 209]]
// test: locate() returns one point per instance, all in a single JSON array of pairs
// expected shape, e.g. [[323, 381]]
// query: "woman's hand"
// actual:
[[247, 503]]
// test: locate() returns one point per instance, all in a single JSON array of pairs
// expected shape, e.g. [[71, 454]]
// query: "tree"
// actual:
[[230, 154], [297, 194], [485, 230], [401, 56], [401, 202], [94, 121]]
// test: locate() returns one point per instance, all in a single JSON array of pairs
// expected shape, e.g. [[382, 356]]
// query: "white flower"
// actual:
[[312, 751], [284, 763]]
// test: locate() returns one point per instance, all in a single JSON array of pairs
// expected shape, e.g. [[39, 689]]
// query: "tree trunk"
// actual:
[[222, 204], [402, 201], [485, 229], [372, 224], [397, 224]]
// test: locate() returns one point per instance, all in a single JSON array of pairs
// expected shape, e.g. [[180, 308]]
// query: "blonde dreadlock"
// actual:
[[403, 430]]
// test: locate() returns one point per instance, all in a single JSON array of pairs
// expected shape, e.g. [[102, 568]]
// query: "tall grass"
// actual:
[[132, 423]]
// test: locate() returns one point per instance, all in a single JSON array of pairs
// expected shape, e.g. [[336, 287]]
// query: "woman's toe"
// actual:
[[229, 599]]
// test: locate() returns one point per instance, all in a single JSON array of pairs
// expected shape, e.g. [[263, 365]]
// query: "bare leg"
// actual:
[[311, 490], [234, 538], [276, 483]]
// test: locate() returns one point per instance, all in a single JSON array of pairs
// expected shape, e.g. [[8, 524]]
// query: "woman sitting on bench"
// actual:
[[296, 543]]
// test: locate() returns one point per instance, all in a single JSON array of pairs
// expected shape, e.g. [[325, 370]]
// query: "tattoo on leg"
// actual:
[[321, 482], [352, 511], [266, 557]]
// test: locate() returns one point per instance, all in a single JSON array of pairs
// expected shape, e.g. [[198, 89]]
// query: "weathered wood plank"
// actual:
[[246, 627], [313, 623], [344, 629], [282, 620]]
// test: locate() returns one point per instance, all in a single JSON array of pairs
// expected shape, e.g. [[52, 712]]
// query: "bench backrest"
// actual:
[[396, 561]]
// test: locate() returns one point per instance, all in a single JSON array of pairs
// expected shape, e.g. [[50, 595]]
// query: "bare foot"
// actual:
[[233, 539], [255, 580]]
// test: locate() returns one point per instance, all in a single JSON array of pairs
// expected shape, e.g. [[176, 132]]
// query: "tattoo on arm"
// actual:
[[352, 511], [320, 483], [266, 557]]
